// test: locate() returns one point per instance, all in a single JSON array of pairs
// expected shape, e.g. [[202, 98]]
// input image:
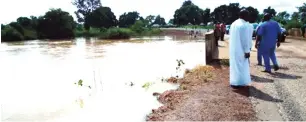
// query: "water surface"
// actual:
[[37, 77]]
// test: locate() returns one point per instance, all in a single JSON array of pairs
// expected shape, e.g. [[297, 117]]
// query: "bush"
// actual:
[[117, 33], [293, 24], [9, 33], [138, 27], [30, 34], [93, 32]]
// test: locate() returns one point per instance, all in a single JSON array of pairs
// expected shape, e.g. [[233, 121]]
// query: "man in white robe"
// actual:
[[239, 47], [251, 30]]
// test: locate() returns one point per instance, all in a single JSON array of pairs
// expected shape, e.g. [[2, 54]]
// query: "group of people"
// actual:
[[268, 35], [219, 32]]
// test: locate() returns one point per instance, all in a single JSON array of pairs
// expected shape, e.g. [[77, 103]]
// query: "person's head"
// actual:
[[244, 14], [267, 17]]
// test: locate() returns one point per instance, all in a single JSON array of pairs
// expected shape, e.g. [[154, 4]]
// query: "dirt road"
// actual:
[[280, 96]]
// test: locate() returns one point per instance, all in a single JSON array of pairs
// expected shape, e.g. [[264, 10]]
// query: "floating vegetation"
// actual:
[[80, 83], [147, 85]]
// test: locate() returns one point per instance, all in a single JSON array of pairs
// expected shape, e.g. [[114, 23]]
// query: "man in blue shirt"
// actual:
[[259, 54], [268, 37]]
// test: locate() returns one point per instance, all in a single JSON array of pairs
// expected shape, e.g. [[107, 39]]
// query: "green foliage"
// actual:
[[189, 13], [9, 33], [138, 27], [282, 17], [93, 32], [226, 13], [117, 33], [56, 24], [293, 24], [128, 19], [147, 85], [159, 20], [270, 10], [84, 8], [253, 14], [150, 19], [102, 17]]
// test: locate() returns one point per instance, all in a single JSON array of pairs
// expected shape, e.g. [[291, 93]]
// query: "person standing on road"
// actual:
[[268, 36], [239, 52], [259, 54], [217, 33], [222, 26]]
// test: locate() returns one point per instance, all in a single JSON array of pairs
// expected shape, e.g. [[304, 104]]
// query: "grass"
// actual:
[[117, 33]]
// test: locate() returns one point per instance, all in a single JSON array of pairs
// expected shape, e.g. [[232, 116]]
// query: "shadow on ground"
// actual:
[[256, 93], [261, 79], [285, 76]]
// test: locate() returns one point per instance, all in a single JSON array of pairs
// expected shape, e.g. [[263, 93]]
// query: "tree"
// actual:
[[188, 13], [9, 33], [295, 16], [150, 19], [302, 11], [159, 20], [102, 17], [206, 16], [171, 21], [138, 27], [128, 19], [220, 14], [253, 14], [85, 7], [282, 17], [56, 24], [270, 10], [232, 13], [24, 22], [17, 26]]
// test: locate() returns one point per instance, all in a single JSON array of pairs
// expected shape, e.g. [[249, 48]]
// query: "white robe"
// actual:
[[238, 46], [251, 29]]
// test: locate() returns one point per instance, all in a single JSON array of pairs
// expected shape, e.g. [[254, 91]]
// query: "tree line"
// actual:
[[189, 13], [91, 15]]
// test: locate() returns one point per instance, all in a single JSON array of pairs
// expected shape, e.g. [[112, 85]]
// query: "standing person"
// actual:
[[303, 30], [259, 54], [251, 30], [217, 33], [269, 37], [239, 52], [222, 26]]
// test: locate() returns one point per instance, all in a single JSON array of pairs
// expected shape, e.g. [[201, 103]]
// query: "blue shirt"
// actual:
[[269, 31]]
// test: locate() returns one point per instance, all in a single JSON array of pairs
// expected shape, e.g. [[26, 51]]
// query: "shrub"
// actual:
[[138, 27], [9, 33], [117, 33], [293, 24]]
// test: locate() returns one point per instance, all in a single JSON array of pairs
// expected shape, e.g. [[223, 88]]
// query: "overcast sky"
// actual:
[[12, 9]]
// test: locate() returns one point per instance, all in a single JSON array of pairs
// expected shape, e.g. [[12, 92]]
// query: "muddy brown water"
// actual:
[[37, 77]]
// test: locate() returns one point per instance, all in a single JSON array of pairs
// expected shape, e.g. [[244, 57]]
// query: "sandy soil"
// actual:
[[204, 95]]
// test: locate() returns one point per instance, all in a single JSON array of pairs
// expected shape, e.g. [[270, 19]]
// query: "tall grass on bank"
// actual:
[[118, 33]]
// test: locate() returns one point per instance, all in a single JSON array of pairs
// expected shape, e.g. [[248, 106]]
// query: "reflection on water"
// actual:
[[37, 77]]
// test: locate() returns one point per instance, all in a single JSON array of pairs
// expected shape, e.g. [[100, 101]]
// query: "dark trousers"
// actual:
[[267, 55], [222, 36], [217, 39]]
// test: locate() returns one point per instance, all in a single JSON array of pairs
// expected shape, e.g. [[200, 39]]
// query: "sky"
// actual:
[[10, 10]]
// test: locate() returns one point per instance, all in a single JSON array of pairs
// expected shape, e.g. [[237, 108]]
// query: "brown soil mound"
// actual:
[[204, 95]]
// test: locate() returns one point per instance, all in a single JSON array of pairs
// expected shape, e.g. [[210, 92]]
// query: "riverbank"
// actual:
[[204, 94]]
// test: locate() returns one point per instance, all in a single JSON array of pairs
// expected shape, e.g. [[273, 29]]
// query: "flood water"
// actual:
[[38, 77]]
